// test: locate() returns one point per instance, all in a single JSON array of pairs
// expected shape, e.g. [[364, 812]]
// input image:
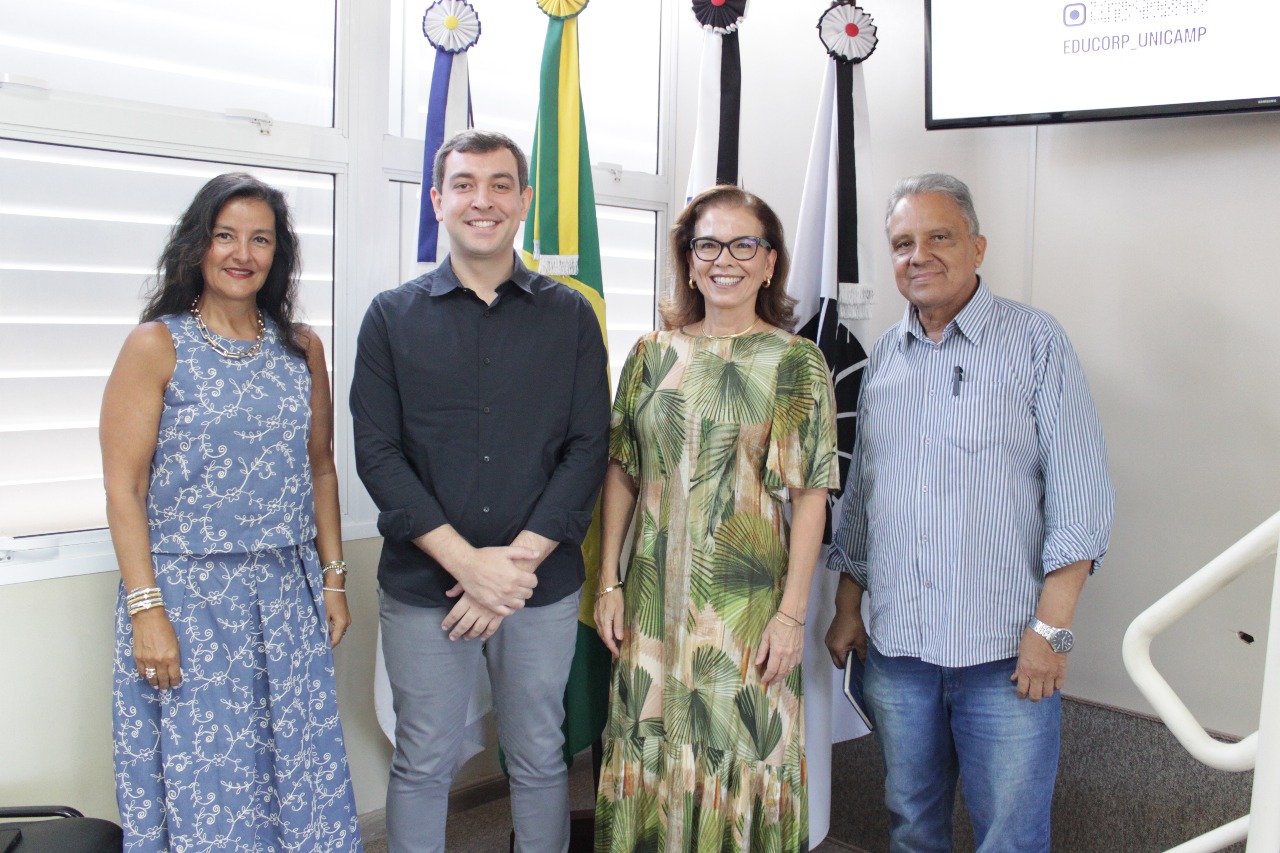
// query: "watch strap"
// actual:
[[1056, 637]]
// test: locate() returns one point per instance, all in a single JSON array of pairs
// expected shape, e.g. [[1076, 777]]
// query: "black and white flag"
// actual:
[[715, 137], [831, 257]]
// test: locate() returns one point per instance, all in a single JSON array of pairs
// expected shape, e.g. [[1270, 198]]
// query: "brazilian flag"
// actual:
[[561, 240]]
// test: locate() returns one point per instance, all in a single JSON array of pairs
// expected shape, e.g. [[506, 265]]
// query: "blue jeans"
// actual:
[[937, 723], [528, 660]]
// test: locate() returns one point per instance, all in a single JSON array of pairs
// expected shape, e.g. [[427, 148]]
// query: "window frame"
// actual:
[[365, 163]]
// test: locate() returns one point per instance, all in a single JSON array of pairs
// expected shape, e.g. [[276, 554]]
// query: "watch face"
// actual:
[[1062, 641]]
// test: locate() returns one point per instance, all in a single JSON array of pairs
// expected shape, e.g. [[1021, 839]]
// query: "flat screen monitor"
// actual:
[[1007, 62]]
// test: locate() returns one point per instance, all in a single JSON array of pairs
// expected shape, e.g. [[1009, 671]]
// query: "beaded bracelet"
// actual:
[[334, 589], [608, 589]]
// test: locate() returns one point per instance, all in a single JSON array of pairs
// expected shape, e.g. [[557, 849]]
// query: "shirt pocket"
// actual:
[[978, 415]]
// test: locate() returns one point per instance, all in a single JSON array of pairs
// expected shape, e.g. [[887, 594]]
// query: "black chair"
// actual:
[[57, 829]]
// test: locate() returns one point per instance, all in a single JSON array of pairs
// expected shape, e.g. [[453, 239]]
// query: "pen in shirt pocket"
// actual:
[[956, 379]]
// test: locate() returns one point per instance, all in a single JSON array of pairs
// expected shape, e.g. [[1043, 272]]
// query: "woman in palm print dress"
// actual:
[[720, 419]]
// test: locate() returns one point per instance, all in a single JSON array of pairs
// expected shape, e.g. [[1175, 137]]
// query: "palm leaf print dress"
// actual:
[[698, 755]]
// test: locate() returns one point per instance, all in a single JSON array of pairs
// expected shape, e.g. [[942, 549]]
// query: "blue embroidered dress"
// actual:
[[246, 754]]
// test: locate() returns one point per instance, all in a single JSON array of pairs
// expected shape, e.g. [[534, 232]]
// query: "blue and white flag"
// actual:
[[452, 27]]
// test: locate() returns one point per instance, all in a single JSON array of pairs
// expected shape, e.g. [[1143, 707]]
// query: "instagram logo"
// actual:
[[1073, 14]]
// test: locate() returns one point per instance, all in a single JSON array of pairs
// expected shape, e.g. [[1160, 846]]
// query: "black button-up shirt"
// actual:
[[493, 418]]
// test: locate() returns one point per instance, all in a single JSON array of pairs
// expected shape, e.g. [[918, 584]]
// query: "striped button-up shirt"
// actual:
[[979, 468]]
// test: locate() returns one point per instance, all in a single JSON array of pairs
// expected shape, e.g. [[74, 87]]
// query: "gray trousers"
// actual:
[[432, 678]]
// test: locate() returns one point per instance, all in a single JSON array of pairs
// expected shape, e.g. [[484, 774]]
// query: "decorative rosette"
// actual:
[[451, 25], [720, 16], [847, 32], [562, 8]]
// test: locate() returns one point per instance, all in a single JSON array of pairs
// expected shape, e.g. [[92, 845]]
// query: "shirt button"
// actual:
[[486, 509], [928, 584], [932, 392], [928, 442], [488, 361], [485, 410], [924, 488], [486, 459]]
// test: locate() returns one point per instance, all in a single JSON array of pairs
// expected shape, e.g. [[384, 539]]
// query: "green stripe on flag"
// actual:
[[546, 150], [589, 271], [586, 697], [587, 693]]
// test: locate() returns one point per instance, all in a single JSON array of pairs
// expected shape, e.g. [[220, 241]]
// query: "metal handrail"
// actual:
[[1258, 751]]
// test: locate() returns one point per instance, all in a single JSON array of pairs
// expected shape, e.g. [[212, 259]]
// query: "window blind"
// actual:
[[80, 233]]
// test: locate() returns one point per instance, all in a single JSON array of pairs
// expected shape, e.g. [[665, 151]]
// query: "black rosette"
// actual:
[[847, 32], [720, 16]]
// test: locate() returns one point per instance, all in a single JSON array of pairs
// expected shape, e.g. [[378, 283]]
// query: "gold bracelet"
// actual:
[[339, 566], [136, 607], [608, 589], [795, 623]]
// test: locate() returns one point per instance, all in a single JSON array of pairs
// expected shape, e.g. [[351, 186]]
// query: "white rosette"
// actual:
[[451, 25], [847, 32]]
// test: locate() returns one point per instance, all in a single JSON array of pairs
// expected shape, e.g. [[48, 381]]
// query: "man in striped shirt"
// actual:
[[977, 504]]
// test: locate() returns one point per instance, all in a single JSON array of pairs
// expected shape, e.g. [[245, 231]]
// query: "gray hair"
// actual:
[[935, 182], [473, 141]]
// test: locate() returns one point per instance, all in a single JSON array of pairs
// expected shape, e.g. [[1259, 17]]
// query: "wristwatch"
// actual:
[[1060, 639]]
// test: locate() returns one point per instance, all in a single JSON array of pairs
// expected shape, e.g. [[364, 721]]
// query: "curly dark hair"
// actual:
[[685, 305], [179, 278]]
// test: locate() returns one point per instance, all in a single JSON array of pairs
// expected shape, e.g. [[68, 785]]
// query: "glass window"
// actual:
[[275, 57], [80, 233], [629, 261], [619, 59]]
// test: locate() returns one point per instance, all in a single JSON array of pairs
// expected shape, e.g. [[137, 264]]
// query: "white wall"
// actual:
[[1150, 246], [1148, 240], [55, 717]]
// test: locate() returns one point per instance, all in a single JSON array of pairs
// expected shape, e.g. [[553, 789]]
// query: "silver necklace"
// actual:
[[248, 352]]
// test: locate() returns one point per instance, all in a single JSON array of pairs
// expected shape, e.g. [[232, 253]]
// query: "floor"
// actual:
[[1157, 795], [486, 828]]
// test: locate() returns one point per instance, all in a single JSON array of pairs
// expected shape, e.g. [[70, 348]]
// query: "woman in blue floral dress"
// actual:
[[222, 498]]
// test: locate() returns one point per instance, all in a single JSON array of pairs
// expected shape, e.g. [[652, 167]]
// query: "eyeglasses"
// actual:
[[741, 248]]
